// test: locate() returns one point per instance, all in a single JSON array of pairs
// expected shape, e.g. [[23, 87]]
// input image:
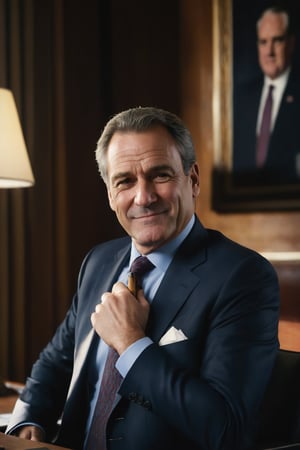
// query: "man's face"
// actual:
[[275, 47], [148, 190]]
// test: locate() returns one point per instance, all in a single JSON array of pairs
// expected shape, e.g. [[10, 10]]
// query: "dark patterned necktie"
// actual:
[[140, 266], [265, 130], [111, 379]]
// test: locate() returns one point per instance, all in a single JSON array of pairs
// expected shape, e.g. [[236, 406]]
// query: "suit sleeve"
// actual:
[[46, 389], [43, 398]]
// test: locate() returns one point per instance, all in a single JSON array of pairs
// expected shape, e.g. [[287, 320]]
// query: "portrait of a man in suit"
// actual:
[[266, 149]]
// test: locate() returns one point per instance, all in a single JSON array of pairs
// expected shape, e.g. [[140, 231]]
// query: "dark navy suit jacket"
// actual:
[[284, 146], [200, 393]]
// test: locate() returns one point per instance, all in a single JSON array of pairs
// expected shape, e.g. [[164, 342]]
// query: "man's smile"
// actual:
[[148, 215]]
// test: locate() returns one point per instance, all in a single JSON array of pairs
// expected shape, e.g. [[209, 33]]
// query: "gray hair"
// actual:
[[277, 10], [142, 119]]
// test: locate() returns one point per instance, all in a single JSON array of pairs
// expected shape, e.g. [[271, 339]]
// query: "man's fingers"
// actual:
[[31, 433]]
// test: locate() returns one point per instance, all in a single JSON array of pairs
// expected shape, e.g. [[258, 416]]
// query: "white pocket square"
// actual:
[[171, 336]]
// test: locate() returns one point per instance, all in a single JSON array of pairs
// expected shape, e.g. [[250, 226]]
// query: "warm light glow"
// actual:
[[282, 256], [15, 168]]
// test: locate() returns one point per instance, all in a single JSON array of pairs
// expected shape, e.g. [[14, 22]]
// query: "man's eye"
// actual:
[[123, 182], [162, 177], [279, 39]]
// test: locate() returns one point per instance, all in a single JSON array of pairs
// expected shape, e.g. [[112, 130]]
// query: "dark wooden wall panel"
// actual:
[[117, 55], [289, 327]]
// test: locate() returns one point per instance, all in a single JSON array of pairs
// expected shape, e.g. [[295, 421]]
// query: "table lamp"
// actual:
[[15, 168]]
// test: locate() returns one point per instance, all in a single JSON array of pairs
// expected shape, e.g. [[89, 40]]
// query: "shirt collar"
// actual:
[[163, 256], [280, 81]]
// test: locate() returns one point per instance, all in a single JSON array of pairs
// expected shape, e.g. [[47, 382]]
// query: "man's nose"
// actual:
[[145, 193], [271, 48]]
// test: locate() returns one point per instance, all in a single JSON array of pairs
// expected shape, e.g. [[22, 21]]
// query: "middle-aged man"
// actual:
[[267, 141], [194, 348]]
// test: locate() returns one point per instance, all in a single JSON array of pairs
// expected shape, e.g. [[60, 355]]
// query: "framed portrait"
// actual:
[[239, 182]]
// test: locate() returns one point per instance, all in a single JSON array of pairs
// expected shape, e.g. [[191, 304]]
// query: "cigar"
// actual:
[[132, 283]]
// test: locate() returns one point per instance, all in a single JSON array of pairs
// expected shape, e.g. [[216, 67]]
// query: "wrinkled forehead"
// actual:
[[149, 148]]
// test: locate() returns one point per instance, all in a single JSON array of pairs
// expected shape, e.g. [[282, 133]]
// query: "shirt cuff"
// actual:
[[12, 431], [128, 358]]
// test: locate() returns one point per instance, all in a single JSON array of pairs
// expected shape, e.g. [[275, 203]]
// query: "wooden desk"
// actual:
[[9, 393], [7, 403], [14, 443]]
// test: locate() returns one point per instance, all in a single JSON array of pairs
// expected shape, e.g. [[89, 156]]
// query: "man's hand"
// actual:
[[31, 432], [121, 319]]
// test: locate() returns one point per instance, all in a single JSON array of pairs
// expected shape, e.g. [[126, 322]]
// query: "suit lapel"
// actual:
[[178, 282], [110, 270]]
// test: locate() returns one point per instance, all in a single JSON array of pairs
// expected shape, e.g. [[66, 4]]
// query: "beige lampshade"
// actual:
[[15, 168]]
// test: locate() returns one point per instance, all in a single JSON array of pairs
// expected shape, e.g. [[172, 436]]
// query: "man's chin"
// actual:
[[149, 243], [272, 72]]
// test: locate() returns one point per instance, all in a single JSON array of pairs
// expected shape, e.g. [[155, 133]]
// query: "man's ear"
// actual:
[[195, 179], [110, 199]]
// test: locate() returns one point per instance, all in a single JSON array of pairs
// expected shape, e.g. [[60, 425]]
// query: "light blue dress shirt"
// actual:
[[161, 259]]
